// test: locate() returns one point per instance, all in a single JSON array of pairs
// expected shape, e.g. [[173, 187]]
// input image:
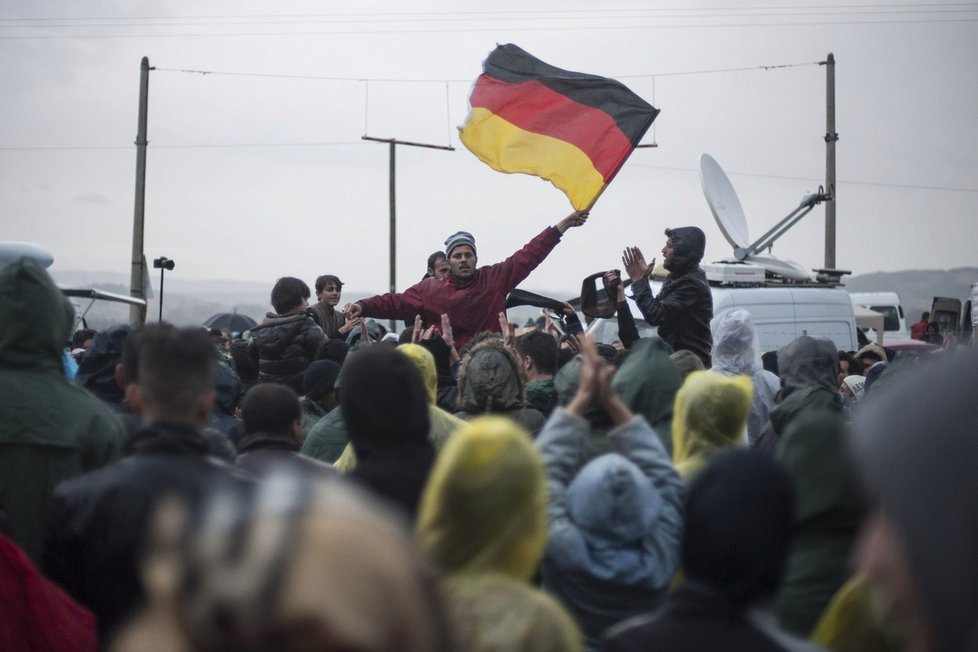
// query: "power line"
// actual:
[[816, 179], [45, 148], [459, 30], [563, 16], [881, 8], [468, 81]]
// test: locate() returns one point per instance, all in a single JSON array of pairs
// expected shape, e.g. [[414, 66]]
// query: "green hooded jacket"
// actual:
[[50, 429]]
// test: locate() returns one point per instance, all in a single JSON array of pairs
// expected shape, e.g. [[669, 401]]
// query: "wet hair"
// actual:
[[270, 408], [539, 347], [176, 366], [81, 336], [288, 293], [855, 364], [327, 279]]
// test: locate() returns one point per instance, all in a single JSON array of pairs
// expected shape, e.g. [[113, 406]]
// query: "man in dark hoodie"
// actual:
[[684, 306], [98, 521]]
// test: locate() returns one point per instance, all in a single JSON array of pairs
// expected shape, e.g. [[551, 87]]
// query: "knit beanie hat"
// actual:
[[459, 238]]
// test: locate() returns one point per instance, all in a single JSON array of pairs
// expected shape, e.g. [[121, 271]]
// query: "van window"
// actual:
[[891, 319]]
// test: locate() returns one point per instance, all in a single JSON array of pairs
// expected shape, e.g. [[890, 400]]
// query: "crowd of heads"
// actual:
[[533, 492]]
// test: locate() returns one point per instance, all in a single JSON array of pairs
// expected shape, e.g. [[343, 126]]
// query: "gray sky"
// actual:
[[252, 177]]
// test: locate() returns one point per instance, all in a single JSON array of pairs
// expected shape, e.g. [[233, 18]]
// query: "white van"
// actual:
[[888, 305], [780, 313]]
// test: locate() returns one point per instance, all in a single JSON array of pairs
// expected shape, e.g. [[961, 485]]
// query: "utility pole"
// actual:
[[830, 137], [393, 142], [137, 315]]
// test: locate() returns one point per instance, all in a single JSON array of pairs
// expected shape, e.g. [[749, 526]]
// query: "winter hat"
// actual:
[[459, 238], [738, 550], [320, 378], [856, 385]]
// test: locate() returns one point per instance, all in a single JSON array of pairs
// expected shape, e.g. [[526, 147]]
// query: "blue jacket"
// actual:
[[615, 528]]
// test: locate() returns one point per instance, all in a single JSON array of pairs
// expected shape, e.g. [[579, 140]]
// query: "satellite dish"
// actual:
[[11, 251], [726, 208]]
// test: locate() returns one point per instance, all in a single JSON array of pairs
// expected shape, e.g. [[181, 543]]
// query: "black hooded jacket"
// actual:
[[684, 306]]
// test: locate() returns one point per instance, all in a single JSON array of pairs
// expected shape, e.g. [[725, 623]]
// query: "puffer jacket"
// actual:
[[684, 306], [615, 528], [283, 346], [489, 382], [50, 429]]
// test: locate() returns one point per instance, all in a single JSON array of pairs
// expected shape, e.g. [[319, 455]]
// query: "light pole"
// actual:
[[162, 263]]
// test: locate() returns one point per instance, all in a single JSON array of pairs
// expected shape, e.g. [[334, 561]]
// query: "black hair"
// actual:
[[855, 364], [270, 408], [81, 336], [539, 347], [288, 294], [435, 257], [327, 279], [175, 367]]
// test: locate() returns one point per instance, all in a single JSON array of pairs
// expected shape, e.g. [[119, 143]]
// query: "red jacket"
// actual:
[[472, 307]]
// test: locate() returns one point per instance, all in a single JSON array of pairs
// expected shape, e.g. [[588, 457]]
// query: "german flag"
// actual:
[[574, 129]]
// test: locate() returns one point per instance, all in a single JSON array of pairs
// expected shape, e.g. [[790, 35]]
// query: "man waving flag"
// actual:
[[574, 129]]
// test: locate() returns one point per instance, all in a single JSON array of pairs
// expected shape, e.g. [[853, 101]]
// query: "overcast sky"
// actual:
[[263, 173]]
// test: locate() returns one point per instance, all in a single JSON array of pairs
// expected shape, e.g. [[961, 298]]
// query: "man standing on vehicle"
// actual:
[[684, 306], [471, 296]]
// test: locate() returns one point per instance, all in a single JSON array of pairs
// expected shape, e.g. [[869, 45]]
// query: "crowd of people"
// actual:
[[466, 485]]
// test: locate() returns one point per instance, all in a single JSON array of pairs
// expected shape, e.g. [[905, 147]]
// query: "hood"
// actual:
[[37, 318], [489, 380], [915, 441], [96, 370], [384, 400], [647, 382], [483, 509], [710, 414], [612, 501], [425, 362], [688, 247], [808, 361], [228, 387], [735, 346]]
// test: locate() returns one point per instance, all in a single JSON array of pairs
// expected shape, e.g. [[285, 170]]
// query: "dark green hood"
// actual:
[[647, 382], [37, 318], [489, 380]]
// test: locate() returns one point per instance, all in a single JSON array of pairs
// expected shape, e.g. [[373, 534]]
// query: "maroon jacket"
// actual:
[[472, 307]]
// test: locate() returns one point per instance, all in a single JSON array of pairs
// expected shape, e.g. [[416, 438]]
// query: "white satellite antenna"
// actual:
[[726, 208], [11, 251]]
